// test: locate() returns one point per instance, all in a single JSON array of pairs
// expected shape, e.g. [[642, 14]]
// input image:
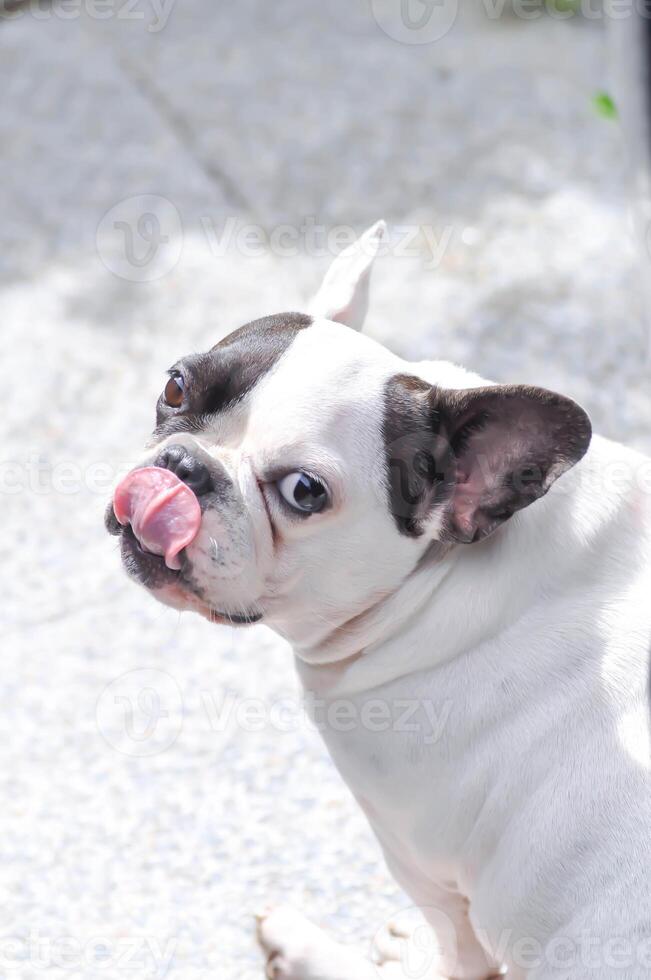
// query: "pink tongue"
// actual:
[[163, 512]]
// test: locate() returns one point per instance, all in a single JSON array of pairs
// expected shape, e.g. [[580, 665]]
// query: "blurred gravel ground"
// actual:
[[263, 113]]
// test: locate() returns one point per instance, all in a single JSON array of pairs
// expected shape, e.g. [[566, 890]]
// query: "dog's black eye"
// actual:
[[173, 393], [303, 492]]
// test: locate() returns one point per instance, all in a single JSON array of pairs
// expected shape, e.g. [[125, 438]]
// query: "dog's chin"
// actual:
[[171, 588], [179, 598]]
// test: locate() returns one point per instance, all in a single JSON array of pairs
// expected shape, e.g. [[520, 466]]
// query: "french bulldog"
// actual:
[[424, 537]]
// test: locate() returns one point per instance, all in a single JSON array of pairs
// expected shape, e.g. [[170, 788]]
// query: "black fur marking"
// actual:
[[222, 377], [480, 454], [416, 452]]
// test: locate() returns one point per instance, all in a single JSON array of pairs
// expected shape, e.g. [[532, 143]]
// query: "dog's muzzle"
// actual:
[[160, 504], [157, 511]]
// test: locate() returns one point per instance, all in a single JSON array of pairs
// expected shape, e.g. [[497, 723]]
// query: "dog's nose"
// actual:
[[187, 467]]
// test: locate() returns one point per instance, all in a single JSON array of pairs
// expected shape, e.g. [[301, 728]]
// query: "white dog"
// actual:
[[375, 513]]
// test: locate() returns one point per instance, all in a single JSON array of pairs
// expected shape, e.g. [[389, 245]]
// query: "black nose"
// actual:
[[187, 467]]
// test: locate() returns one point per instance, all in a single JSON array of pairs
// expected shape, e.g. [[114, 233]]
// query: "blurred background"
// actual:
[[172, 169]]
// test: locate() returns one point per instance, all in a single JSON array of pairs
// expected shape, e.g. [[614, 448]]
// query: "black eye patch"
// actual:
[[226, 374]]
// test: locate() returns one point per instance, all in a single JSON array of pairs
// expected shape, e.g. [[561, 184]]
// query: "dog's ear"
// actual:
[[343, 295], [475, 456], [508, 445]]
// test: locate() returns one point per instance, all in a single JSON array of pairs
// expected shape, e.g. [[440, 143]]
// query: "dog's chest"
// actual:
[[400, 750]]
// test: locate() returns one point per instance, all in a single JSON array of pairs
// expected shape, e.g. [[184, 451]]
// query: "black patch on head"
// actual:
[[481, 454], [418, 465], [218, 379]]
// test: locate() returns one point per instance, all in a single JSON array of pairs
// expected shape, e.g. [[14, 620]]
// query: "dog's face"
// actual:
[[306, 470]]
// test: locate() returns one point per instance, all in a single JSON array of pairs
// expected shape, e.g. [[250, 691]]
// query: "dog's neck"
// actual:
[[455, 600], [384, 616], [397, 635]]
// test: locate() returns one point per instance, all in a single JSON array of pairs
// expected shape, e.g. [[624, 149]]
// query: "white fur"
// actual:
[[519, 807], [343, 296]]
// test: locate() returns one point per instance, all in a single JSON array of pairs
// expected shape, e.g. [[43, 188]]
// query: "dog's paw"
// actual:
[[284, 936], [296, 949]]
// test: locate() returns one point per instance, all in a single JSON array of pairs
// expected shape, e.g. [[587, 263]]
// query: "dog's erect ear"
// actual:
[[509, 444], [477, 455], [343, 295]]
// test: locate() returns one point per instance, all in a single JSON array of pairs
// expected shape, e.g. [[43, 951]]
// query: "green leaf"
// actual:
[[604, 105]]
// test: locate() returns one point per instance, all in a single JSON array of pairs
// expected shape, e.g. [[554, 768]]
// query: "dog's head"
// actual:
[[299, 471]]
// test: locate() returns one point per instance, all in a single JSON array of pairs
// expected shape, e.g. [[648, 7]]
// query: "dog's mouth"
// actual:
[[162, 511], [156, 516]]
